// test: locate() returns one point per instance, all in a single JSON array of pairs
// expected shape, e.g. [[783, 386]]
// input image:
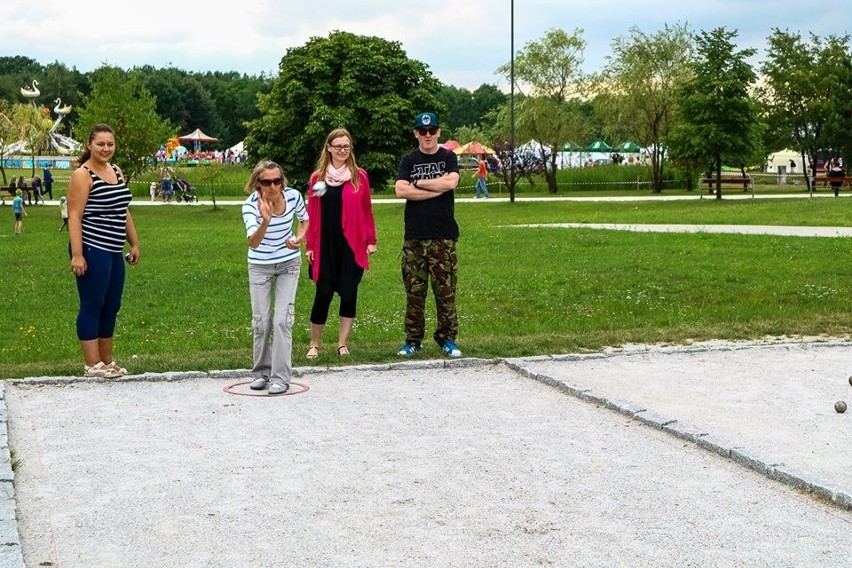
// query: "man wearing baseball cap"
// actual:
[[426, 179]]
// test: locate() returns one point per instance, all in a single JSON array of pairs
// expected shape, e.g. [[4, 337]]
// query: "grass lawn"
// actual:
[[522, 291]]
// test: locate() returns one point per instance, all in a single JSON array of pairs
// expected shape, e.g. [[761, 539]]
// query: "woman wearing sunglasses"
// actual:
[[274, 262], [341, 238]]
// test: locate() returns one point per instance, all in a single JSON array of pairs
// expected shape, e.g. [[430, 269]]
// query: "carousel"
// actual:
[[61, 144]]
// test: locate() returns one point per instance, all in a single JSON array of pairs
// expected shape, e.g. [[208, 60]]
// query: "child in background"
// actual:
[[152, 189], [18, 210], [63, 210]]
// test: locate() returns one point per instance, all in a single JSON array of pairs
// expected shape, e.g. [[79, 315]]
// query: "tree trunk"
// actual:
[[657, 169], [550, 174]]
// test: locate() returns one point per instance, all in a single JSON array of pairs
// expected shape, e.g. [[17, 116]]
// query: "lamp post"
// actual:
[[512, 102]]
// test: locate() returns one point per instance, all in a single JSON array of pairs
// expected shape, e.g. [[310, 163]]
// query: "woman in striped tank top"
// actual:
[[99, 223]]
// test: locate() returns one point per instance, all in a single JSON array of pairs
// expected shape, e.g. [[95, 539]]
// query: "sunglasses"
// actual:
[[270, 182], [341, 147], [430, 131]]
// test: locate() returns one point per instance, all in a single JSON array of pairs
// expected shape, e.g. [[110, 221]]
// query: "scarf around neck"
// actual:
[[337, 176]]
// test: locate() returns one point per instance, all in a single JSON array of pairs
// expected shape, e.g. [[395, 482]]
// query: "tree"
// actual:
[[550, 67], [365, 84], [32, 124], [235, 97], [637, 88], [119, 100], [468, 109], [716, 121], [805, 95]]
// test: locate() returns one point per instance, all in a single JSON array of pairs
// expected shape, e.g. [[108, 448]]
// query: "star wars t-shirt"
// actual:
[[432, 218]]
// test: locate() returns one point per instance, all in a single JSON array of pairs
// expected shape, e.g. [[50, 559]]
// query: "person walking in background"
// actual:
[[63, 212], [47, 178], [426, 179], [481, 177], [152, 189], [274, 264], [99, 223], [341, 236], [18, 211]]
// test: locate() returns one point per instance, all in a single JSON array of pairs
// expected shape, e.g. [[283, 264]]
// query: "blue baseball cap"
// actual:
[[426, 119]]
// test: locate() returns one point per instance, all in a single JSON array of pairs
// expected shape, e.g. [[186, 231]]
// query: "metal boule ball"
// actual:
[[850, 379], [840, 406]]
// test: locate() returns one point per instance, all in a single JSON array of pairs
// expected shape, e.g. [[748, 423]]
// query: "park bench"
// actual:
[[746, 182], [829, 179], [13, 190]]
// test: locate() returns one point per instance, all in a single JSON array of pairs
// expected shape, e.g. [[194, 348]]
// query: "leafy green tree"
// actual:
[[717, 120], [468, 108], [551, 69], [805, 95], [637, 89], [465, 134], [15, 72], [8, 135], [235, 97], [119, 100], [182, 99], [365, 84], [32, 124]]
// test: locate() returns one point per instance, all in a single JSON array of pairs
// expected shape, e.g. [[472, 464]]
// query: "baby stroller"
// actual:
[[186, 191]]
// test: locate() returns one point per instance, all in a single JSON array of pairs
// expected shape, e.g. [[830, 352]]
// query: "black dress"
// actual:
[[337, 261]]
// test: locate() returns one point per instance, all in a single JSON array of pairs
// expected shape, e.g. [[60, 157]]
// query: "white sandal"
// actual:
[[101, 371]]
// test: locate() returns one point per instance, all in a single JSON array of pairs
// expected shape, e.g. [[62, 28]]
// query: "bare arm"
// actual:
[[133, 239], [78, 195], [296, 241], [265, 210]]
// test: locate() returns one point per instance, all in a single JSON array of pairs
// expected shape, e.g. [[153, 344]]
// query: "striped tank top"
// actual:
[[105, 215]]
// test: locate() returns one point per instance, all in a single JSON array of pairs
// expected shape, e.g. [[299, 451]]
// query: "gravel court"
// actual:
[[774, 400], [468, 464]]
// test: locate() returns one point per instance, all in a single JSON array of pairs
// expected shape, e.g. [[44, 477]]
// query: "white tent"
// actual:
[[236, 148]]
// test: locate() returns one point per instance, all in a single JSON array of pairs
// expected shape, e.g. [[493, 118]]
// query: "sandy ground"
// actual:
[[444, 463]]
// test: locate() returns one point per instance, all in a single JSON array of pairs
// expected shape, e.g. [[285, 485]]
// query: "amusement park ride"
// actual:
[[60, 143]]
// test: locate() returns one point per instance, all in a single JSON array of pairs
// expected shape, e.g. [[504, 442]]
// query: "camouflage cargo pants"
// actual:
[[422, 261]]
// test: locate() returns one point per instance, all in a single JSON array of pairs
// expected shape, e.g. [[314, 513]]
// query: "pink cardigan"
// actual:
[[359, 228]]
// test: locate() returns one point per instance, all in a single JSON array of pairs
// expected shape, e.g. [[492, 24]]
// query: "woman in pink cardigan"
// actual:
[[341, 236]]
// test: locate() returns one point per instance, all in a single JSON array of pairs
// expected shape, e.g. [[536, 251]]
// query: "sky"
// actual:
[[462, 43]]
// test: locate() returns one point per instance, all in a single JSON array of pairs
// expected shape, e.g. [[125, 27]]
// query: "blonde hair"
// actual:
[[262, 166], [325, 156]]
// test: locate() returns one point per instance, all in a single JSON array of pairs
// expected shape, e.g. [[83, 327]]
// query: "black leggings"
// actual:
[[322, 300]]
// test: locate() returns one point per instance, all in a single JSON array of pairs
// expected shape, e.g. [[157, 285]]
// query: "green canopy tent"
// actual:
[[598, 146], [629, 148], [571, 147]]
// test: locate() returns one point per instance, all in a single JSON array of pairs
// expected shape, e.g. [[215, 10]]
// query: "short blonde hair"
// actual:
[[262, 166]]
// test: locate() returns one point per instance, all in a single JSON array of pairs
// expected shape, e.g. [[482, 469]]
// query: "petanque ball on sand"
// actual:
[[840, 406], [850, 379]]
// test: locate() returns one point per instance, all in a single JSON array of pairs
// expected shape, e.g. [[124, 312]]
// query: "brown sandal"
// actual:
[[342, 351], [313, 352]]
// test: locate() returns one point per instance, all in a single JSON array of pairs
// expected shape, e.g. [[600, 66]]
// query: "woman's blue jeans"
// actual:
[[100, 290]]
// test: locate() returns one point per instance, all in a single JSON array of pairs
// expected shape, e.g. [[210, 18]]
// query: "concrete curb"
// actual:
[[11, 554], [772, 469]]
